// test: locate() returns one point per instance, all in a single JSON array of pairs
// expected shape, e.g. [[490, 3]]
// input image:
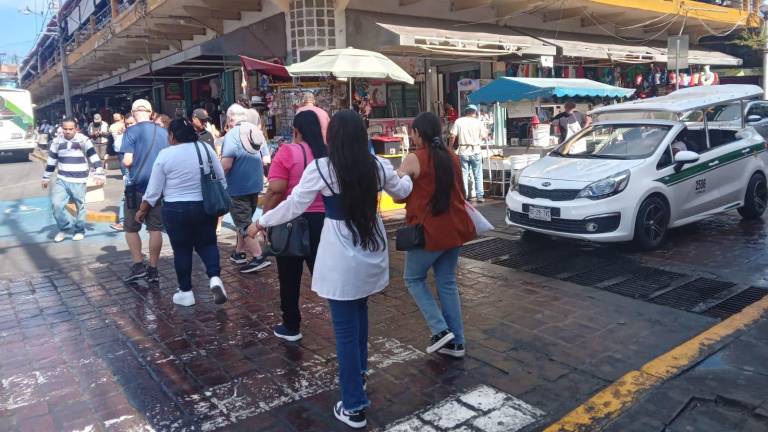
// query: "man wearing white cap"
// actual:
[[141, 144]]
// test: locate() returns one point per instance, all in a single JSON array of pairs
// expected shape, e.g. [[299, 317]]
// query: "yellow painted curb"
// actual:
[[94, 216], [608, 404]]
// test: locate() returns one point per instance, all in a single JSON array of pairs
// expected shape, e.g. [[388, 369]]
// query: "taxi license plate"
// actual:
[[540, 213]]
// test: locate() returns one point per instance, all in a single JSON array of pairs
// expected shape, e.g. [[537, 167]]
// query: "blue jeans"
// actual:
[[61, 193], [190, 228], [350, 324], [472, 164], [448, 315]]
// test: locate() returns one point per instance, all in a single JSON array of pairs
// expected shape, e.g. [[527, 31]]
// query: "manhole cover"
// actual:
[[525, 260], [646, 282], [690, 294], [597, 276], [736, 303], [570, 266]]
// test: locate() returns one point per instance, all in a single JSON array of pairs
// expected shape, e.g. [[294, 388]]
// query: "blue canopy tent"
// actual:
[[509, 89]]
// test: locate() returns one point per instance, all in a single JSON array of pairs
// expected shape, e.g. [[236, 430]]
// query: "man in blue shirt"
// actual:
[[245, 181], [141, 144]]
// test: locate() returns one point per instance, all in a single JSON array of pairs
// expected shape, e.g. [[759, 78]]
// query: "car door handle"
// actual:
[[746, 150], [713, 163]]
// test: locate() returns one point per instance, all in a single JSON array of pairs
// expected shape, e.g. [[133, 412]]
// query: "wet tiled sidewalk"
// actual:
[[83, 351]]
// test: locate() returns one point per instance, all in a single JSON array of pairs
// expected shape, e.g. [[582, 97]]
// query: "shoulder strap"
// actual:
[[383, 174], [303, 153], [199, 159], [319, 171], [210, 162]]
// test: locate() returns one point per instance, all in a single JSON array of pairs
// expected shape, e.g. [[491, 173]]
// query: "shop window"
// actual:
[[403, 100]]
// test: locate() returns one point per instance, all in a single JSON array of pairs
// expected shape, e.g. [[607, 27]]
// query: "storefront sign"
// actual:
[[547, 61], [468, 85], [173, 91]]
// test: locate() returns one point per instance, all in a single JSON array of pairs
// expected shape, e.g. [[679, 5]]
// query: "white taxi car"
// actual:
[[648, 165]]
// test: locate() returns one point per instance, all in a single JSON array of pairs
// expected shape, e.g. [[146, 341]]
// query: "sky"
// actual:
[[18, 32]]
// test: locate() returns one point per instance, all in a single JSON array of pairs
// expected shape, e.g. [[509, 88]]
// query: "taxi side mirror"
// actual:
[[685, 157]]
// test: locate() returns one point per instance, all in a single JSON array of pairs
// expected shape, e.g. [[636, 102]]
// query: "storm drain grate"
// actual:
[[489, 249], [529, 259], [597, 276], [569, 266], [735, 304], [690, 294], [647, 282]]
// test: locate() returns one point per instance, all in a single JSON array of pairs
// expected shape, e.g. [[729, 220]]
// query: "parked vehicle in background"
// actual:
[[648, 165], [17, 125]]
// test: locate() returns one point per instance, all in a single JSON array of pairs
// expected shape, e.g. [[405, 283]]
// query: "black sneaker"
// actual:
[[138, 271], [439, 340], [453, 350], [282, 332], [152, 274], [355, 419], [238, 258], [256, 264]]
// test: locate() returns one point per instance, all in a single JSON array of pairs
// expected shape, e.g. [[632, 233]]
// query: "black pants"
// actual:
[[190, 229], [290, 270]]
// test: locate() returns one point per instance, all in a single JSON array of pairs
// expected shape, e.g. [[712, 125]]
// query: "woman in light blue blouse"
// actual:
[[176, 178]]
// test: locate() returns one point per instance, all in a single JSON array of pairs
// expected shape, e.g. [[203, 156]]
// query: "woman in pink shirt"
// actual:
[[284, 174]]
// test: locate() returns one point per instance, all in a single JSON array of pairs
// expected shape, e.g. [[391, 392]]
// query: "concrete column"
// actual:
[[115, 6]]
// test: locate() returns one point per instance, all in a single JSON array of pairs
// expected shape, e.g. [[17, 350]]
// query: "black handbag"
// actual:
[[290, 239], [410, 237], [216, 200]]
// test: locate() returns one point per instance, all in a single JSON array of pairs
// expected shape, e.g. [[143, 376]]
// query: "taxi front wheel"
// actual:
[[651, 223], [756, 198]]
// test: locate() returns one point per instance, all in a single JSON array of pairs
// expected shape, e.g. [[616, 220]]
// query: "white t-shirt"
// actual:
[[470, 132]]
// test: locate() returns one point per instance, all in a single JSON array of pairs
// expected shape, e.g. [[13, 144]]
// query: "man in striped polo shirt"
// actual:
[[71, 153]]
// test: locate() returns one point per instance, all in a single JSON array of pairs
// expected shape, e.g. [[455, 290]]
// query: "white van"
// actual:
[[17, 123]]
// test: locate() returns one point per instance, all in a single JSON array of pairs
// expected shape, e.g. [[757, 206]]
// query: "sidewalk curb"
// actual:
[[94, 216], [609, 403]]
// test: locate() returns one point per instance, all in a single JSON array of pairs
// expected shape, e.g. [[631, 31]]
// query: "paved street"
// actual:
[[548, 323]]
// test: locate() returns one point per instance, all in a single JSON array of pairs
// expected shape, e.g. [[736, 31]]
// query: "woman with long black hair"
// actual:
[[285, 173], [438, 204], [352, 259]]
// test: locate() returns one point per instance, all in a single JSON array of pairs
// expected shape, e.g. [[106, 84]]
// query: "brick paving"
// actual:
[[84, 351]]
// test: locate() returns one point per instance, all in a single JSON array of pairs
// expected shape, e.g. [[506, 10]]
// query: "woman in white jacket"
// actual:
[[352, 259]]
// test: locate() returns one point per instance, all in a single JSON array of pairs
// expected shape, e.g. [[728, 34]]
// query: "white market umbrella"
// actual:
[[350, 63]]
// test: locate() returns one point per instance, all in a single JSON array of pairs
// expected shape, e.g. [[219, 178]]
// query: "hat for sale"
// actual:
[[141, 105], [201, 114]]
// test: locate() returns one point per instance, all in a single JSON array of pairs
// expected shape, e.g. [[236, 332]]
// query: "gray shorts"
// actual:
[[242, 210], [153, 220]]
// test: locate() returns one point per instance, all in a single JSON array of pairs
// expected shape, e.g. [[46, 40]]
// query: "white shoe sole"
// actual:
[[347, 421], [441, 343], [451, 353], [76, 238], [288, 338], [183, 303]]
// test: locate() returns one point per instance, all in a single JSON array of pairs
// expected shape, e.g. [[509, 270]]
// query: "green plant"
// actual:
[[755, 39]]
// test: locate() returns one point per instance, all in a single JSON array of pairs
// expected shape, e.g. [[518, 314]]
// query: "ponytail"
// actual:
[[427, 125]]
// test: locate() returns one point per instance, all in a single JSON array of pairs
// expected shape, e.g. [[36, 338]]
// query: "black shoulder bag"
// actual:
[[216, 200], [290, 239]]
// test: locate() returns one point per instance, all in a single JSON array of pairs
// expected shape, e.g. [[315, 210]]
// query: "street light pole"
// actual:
[[63, 55], [764, 12]]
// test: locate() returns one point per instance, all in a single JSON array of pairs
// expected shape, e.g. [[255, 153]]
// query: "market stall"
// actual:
[[530, 104], [348, 65]]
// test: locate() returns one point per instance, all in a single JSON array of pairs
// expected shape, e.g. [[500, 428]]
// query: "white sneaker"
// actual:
[[78, 236], [184, 298], [217, 288], [60, 237]]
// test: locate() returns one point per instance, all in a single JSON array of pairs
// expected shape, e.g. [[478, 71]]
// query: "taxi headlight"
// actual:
[[606, 187]]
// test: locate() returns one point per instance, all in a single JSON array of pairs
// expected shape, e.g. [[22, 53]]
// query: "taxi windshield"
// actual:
[[617, 141]]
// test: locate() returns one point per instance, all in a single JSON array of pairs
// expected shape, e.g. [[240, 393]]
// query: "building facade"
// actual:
[[184, 53]]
